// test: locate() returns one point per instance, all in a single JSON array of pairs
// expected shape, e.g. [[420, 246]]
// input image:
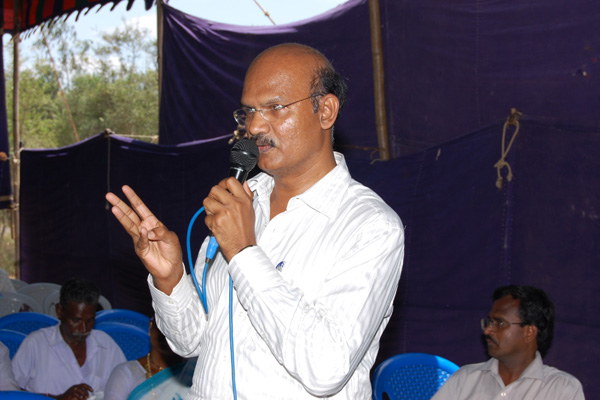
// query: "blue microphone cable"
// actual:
[[210, 254]]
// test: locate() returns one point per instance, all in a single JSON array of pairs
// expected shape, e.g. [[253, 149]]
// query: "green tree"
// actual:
[[112, 84]]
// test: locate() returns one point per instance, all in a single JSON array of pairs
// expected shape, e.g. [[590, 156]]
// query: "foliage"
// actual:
[[111, 84], [7, 243]]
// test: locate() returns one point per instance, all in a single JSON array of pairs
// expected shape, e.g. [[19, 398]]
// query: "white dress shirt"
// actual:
[[124, 378], [7, 378], [483, 382], [45, 363], [310, 301]]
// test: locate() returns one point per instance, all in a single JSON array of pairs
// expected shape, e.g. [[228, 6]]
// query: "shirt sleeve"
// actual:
[[7, 377], [448, 390], [122, 381], [23, 363], [180, 316], [322, 341]]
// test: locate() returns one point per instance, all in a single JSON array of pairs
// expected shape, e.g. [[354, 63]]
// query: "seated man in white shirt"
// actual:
[[69, 360], [518, 331]]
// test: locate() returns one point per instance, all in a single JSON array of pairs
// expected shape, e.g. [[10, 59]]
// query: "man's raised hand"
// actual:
[[155, 245]]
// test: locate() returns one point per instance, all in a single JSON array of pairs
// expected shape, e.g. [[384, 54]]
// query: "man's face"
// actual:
[[507, 339], [294, 142], [76, 321]]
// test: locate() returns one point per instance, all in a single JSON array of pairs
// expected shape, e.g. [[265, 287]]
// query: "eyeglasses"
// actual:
[[244, 115], [498, 324]]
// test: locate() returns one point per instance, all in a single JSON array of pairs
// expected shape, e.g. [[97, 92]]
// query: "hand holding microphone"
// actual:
[[229, 212]]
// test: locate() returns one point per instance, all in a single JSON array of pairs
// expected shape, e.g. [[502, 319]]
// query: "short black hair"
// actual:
[[535, 308], [79, 290], [326, 81]]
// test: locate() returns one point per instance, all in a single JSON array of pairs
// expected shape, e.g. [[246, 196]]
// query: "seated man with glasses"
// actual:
[[518, 331]]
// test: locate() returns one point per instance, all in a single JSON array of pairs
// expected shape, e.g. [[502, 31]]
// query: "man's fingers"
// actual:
[[235, 187], [121, 209], [131, 227], [141, 244], [137, 203]]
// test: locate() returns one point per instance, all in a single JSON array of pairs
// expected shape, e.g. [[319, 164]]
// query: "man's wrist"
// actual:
[[247, 247]]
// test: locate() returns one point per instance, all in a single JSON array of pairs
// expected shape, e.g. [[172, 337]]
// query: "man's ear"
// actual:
[[530, 333], [59, 309], [328, 109]]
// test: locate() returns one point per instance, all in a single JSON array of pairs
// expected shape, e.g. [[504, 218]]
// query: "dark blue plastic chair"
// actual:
[[124, 316], [27, 322], [16, 395], [12, 340], [134, 342], [414, 376]]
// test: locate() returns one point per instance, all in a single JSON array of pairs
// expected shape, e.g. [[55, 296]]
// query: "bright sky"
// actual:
[[238, 12]]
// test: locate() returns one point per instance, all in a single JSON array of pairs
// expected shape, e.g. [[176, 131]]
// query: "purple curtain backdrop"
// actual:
[[464, 236], [205, 63], [450, 67]]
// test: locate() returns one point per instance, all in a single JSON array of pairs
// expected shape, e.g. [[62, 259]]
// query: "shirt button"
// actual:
[[503, 394]]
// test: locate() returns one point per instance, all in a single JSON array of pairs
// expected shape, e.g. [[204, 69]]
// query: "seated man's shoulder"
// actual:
[[469, 369], [102, 337], [43, 334], [561, 379]]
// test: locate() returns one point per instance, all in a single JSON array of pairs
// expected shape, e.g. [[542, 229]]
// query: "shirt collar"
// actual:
[[534, 370], [324, 196], [56, 338]]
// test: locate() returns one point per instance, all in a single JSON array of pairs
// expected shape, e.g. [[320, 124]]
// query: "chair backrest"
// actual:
[[26, 322], [15, 302], [12, 340], [50, 303], [134, 341], [17, 283], [104, 303], [53, 299], [124, 316], [415, 376], [39, 290]]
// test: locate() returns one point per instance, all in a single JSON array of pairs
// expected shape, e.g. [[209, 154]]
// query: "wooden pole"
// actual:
[[159, 44], [378, 81], [16, 139]]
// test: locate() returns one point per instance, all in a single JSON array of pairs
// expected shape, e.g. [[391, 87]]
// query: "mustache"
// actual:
[[81, 335], [263, 140], [488, 337]]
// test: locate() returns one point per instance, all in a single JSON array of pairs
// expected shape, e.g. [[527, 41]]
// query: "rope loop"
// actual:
[[512, 120]]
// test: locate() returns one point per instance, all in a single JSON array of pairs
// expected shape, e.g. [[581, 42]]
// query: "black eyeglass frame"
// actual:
[[498, 325], [241, 114]]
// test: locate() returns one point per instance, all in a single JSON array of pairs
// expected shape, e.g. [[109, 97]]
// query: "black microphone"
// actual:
[[242, 160]]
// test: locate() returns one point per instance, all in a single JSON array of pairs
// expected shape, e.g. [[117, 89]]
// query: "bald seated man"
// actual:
[[314, 256]]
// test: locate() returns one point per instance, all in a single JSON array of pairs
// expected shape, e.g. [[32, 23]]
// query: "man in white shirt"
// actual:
[[518, 331], [314, 256], [70, 360]]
